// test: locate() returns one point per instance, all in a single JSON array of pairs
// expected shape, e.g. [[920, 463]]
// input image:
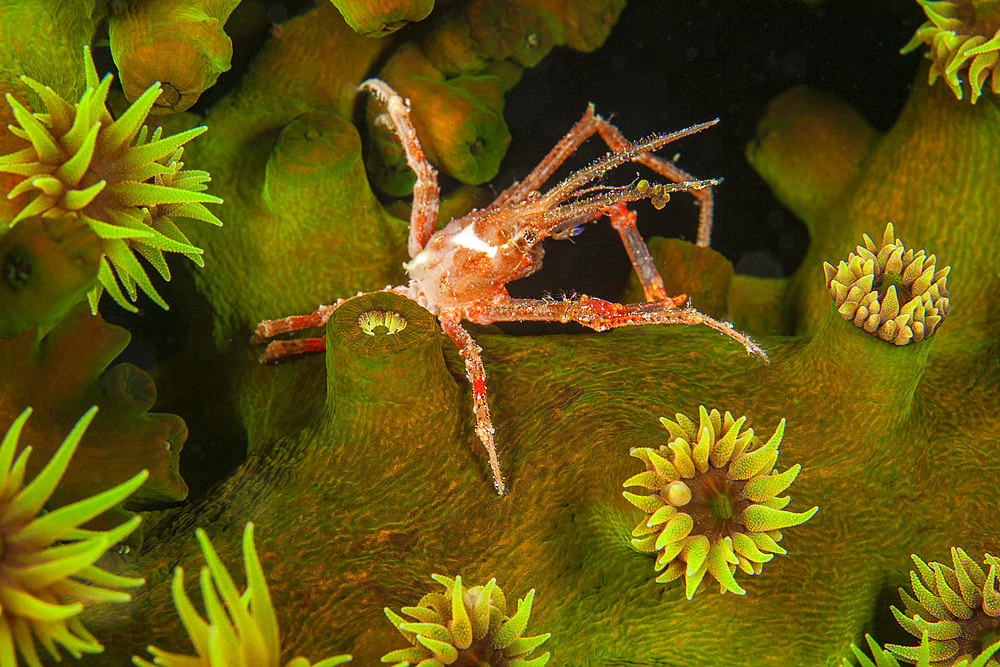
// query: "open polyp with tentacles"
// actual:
[[460, 272], [80, 168]]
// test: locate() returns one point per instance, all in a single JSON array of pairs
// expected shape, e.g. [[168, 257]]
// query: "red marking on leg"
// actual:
[[478, 387], [603, 308]]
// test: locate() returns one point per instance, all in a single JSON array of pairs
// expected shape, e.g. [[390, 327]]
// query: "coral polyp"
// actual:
[[713, 504], [47, 571], [964, 35], [113, 176], [959, 607], [240, 629], [889, 291], [467, 626]]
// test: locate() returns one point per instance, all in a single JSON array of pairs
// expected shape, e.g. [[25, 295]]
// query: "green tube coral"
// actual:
[[112, 176], [69, 369], [47, 265], [47, 571], [466, 38], [179, 44], [459, 121]]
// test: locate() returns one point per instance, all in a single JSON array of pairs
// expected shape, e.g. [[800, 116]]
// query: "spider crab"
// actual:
[[460, 272]]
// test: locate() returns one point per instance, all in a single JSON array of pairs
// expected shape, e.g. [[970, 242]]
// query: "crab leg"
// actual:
[[616, 141], [599, 315], [623, 220], [584, 128], [283, 348], [426, 193], [469, 350], [271, 328]]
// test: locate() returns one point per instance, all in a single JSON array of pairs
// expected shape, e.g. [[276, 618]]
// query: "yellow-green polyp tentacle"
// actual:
[[47, 560]]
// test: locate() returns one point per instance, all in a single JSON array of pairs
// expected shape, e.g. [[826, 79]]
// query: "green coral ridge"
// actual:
[[889, 291], [241, 629], [713, 504], [47, 571], [466, 626], [958, 607], [964, 35], [113, 176]]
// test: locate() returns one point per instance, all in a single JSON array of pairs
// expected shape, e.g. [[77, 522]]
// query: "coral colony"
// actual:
[[366, 472]]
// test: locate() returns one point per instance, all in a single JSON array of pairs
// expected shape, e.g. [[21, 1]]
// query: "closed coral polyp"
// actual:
[[467, 626], [896, 294]]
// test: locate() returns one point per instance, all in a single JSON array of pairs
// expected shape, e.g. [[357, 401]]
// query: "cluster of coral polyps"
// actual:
[[963, 35], [47, 571], [889, 291], [957, 607], [241, 628], [467, 626], [124, 183], [714, 504]]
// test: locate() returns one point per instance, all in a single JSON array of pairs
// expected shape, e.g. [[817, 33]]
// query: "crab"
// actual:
[[460, 271]]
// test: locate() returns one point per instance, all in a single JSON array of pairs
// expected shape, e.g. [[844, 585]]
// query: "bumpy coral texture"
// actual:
[[964, 40], [958, 606], [47, 571], [889, 291], [714, 504], [467, 626], [113, 176], [240, 629]]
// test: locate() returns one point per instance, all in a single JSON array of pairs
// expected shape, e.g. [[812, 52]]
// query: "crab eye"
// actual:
[[17, 269], [529, 236]]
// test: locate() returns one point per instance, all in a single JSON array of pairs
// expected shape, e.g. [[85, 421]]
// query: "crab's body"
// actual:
[[460, 272], [474, 252]]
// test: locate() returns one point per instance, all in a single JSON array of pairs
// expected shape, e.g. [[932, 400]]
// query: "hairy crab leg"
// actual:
[[583, 130], [623, 220], [469, 351], [278, 349], [271, 328], [616, 141], [426, 193], [600, 315]]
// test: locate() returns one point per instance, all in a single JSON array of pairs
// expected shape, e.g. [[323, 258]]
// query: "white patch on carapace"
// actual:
[[467, 239], [418, 260]]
